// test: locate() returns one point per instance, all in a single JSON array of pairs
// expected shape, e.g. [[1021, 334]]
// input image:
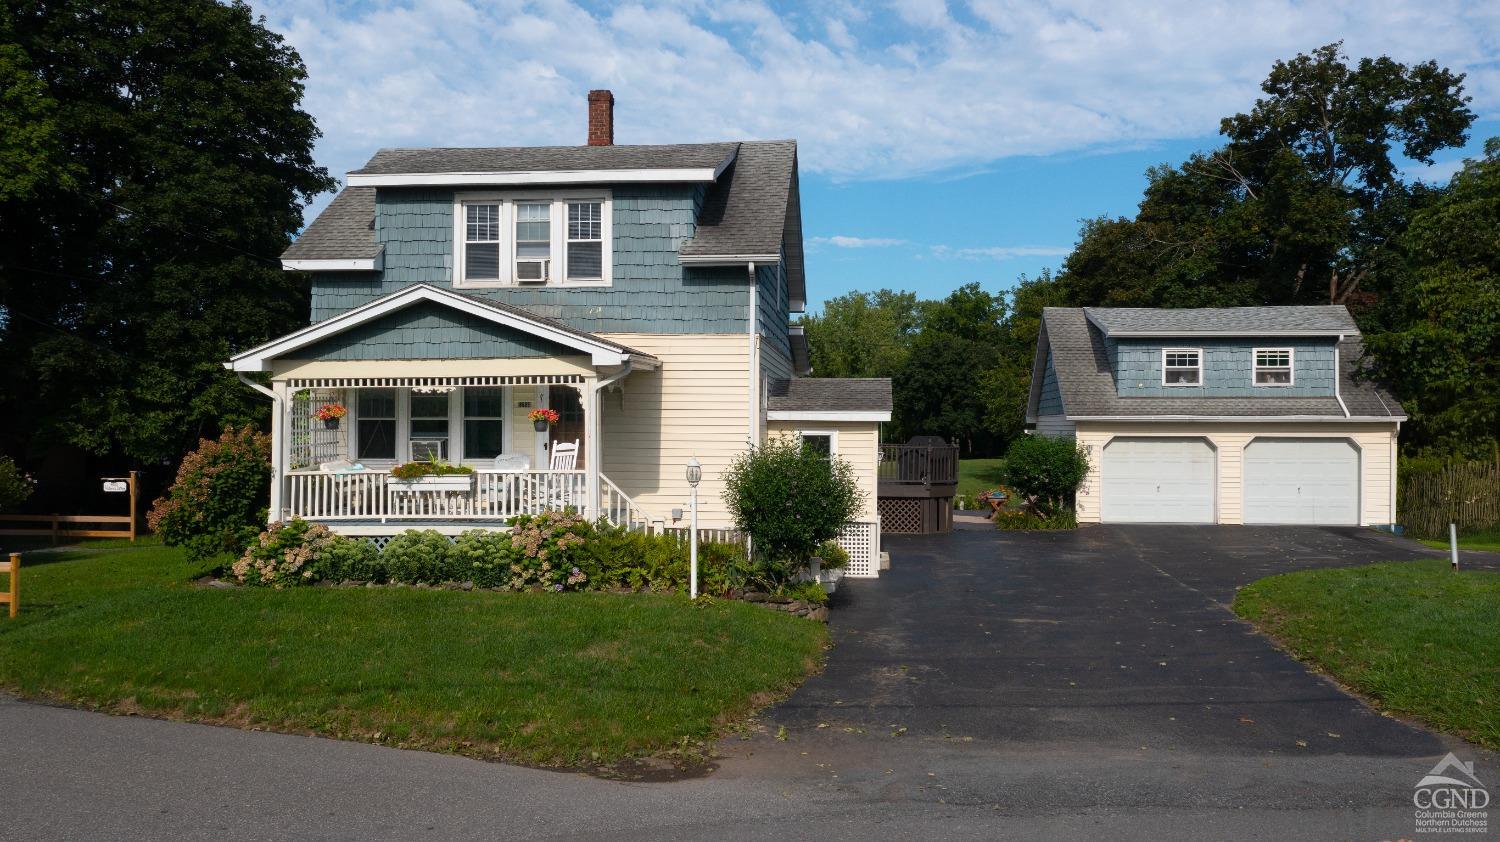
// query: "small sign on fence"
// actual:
[[116, 486]]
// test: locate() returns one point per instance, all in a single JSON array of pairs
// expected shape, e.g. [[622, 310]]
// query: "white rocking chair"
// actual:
[[565, 456]]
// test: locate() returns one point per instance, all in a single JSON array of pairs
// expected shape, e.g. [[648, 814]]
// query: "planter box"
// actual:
[[449, 482]]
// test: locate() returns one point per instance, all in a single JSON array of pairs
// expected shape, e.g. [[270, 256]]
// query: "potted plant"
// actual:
[[436, 475], [541, 419], [329, 414]]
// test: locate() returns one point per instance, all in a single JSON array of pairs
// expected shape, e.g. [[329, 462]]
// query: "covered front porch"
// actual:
[[362, 394]]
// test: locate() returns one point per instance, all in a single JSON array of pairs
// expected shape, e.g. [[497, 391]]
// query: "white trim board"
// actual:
[[484, 179], [725, 259], [365, 264], [813, 415], [259, 358], [1233, 418]]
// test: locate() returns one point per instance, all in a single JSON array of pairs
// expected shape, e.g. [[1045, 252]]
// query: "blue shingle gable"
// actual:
[[651, 291], [1226, 367], [431, 331]]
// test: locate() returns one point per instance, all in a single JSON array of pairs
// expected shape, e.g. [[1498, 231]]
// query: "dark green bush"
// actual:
[[417, 556], [484, 557], [15, 486], [1046, 471], [218, 503], [790, 499]]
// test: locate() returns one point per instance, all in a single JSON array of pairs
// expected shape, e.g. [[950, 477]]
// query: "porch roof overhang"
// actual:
[[600, 351]]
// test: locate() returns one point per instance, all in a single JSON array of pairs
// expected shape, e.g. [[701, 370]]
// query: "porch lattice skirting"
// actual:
[[861, 540], [420, 382]]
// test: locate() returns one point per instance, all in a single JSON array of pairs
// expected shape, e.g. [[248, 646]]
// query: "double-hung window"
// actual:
[[1273, 366], [429, 426], [376, 431], [1181, 367], [482, 242], [556, 238], [484, 422]]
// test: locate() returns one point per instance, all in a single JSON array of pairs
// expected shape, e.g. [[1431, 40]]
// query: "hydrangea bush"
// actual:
[[301, 553], [220, 496]]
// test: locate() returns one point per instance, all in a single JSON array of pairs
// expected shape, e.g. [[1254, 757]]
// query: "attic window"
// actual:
[[1181, 367], [551, 238], [1273, 366]]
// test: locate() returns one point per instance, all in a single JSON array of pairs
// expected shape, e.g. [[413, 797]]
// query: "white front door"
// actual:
[[1158, 480], [1304, 481]]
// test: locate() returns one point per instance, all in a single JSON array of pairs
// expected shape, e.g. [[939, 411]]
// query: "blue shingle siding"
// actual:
[[1050, 402], [774, 316], [1226, 368], [427, 331], [651, 292]]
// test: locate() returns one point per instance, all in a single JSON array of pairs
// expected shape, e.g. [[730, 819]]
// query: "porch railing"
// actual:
[[490, 495], [918, 464], [616, 507]]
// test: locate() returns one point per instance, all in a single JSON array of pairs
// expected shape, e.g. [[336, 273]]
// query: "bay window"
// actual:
[[553, 238]]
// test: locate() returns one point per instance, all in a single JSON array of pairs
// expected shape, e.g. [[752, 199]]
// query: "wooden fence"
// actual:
[[13, 596], [1465, 493]]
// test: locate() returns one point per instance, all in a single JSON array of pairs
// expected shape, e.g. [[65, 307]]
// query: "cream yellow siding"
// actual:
[[1375, 442], [856, 441], [695, 404]]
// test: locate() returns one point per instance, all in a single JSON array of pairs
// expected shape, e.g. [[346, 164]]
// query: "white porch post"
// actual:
[[281, 447], [592, 450]]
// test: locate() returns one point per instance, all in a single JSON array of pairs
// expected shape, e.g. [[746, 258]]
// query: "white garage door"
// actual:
[[1158, 480], [1302, 481]]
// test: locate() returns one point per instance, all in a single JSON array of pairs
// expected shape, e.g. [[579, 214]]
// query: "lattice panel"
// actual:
[[862, 542], [901, 515], [312, 443]]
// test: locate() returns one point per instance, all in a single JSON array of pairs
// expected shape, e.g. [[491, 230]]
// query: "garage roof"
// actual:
[[1080, 353]]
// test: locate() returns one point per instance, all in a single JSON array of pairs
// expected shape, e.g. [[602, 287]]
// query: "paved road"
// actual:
[[1073, 685]]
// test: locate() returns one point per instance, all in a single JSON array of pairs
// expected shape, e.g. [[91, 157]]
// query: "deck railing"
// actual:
[[489, 495], [918, 464]]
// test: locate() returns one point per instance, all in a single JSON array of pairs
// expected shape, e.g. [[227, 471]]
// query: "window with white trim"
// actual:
[[585, 241], [556, 238], [1181, 367], [1273, 367], [482, 242], [823, 443], [484, 422], [375, 436]]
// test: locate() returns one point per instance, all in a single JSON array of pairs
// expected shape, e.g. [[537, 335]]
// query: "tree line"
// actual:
[[1303, 203]]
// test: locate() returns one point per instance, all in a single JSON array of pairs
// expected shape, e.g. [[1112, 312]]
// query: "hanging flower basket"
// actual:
[[541, 419], [329, 414]]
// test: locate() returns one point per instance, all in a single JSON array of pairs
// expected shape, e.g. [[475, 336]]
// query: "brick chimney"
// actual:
[[601, 118]]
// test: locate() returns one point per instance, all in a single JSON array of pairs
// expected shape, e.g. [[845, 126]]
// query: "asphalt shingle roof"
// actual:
[[754, 209], [1087, 383], [345, 230], [544, 158], [522, 312], [1250, 320], [830, 394]]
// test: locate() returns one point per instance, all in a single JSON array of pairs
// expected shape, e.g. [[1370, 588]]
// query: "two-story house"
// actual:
[[1240, 415], [644, 293]]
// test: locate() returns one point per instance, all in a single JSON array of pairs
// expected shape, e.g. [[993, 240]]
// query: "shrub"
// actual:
[[218, 502], [417, 556], [807, 592], [790, 499], [1029, 518], [15, 486], [1045, 470], [300, 553], [484, 558], [833, 555], [545, 547]]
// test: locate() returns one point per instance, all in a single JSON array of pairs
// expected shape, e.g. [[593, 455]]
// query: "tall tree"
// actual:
[[1443, 355], [862, 334], [157, 164], [1299, 206], [939, 391]]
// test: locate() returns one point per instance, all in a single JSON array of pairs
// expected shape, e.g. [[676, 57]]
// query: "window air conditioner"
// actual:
[[531, 271]]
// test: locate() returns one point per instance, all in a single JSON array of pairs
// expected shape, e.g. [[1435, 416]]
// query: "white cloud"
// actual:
[[840, 241], [997, 252], [871, 93]]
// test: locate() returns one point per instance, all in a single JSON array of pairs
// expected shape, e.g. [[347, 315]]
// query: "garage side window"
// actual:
[[1273, 366], [1181, 367]]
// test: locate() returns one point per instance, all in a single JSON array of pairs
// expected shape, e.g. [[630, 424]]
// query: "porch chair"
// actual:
[[565, 456]]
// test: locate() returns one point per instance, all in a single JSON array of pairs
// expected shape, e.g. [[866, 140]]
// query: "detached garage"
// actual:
[[1242, 415]]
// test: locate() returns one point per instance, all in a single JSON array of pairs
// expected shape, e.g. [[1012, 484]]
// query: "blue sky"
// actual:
[[940, 143]]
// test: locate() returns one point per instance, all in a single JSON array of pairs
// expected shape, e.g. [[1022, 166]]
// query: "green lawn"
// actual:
[[1413, 636], [558, 679], [1486, 540], [976, 476]]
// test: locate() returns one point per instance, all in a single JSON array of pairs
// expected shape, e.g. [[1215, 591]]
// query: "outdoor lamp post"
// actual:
[[694, 474]]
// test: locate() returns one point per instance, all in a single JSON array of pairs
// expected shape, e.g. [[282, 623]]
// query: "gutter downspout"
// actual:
[[277, 435], [753, 346], [1338, 375], [596, 447]]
